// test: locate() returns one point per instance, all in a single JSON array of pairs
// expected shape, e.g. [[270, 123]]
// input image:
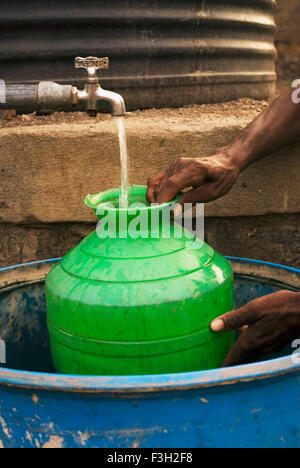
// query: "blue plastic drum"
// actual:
[[257, 405]]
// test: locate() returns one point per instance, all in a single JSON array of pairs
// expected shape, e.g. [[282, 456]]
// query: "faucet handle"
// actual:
[[92, 62]]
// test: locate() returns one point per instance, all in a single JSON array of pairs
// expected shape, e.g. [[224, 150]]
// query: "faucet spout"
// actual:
[[47, 96], [115, 100]]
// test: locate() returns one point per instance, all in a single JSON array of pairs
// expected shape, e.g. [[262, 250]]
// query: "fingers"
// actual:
[[203, 194], [153, 183], [190, 197], [211, 178], [183, 173], [269, 328], [170, 187], [236, 319], [207, 192], [250, 313], [243, 352]]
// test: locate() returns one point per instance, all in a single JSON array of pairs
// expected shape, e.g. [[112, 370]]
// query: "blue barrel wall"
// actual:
[[256, 405]]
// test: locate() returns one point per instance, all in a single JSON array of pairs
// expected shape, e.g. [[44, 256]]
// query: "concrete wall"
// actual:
[[47, 169], [274, 238], [48, 165]]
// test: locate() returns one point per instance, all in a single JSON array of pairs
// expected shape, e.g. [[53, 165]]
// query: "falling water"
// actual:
[[124, 163]]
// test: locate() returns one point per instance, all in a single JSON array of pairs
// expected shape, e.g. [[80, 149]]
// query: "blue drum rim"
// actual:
[[150, 383]]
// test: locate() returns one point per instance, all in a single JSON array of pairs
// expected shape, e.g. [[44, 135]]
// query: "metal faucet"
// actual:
[[93, 93], [47, 96]]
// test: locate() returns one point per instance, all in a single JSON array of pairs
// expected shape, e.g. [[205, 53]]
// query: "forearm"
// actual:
[[214, 176], [271, 131]]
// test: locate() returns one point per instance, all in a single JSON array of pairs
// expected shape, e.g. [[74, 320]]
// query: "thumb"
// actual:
[[235, 319]]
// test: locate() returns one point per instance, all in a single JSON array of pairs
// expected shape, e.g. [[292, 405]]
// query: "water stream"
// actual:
[[124, 163]]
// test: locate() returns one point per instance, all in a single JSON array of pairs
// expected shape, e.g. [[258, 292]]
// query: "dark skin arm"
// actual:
[[212, 177], [270, 323]]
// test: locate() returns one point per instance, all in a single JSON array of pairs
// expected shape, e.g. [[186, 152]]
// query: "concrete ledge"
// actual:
[[47, 169], [274, 238]]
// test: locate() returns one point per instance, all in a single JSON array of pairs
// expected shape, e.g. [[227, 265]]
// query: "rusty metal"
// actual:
[[92, 92], [52, 96], [48, 96], [168, 53]]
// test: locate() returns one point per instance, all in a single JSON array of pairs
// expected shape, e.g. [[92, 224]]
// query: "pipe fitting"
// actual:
[[52, 96], [48, 96]]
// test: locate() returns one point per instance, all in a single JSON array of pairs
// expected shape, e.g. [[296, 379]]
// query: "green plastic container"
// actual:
[[131, 306]]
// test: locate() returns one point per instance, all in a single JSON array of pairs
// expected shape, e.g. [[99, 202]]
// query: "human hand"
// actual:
[[268, 325], [210, 178]]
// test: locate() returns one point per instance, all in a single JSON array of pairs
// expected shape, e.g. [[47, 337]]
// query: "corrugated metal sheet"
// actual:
[[165, 53]]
